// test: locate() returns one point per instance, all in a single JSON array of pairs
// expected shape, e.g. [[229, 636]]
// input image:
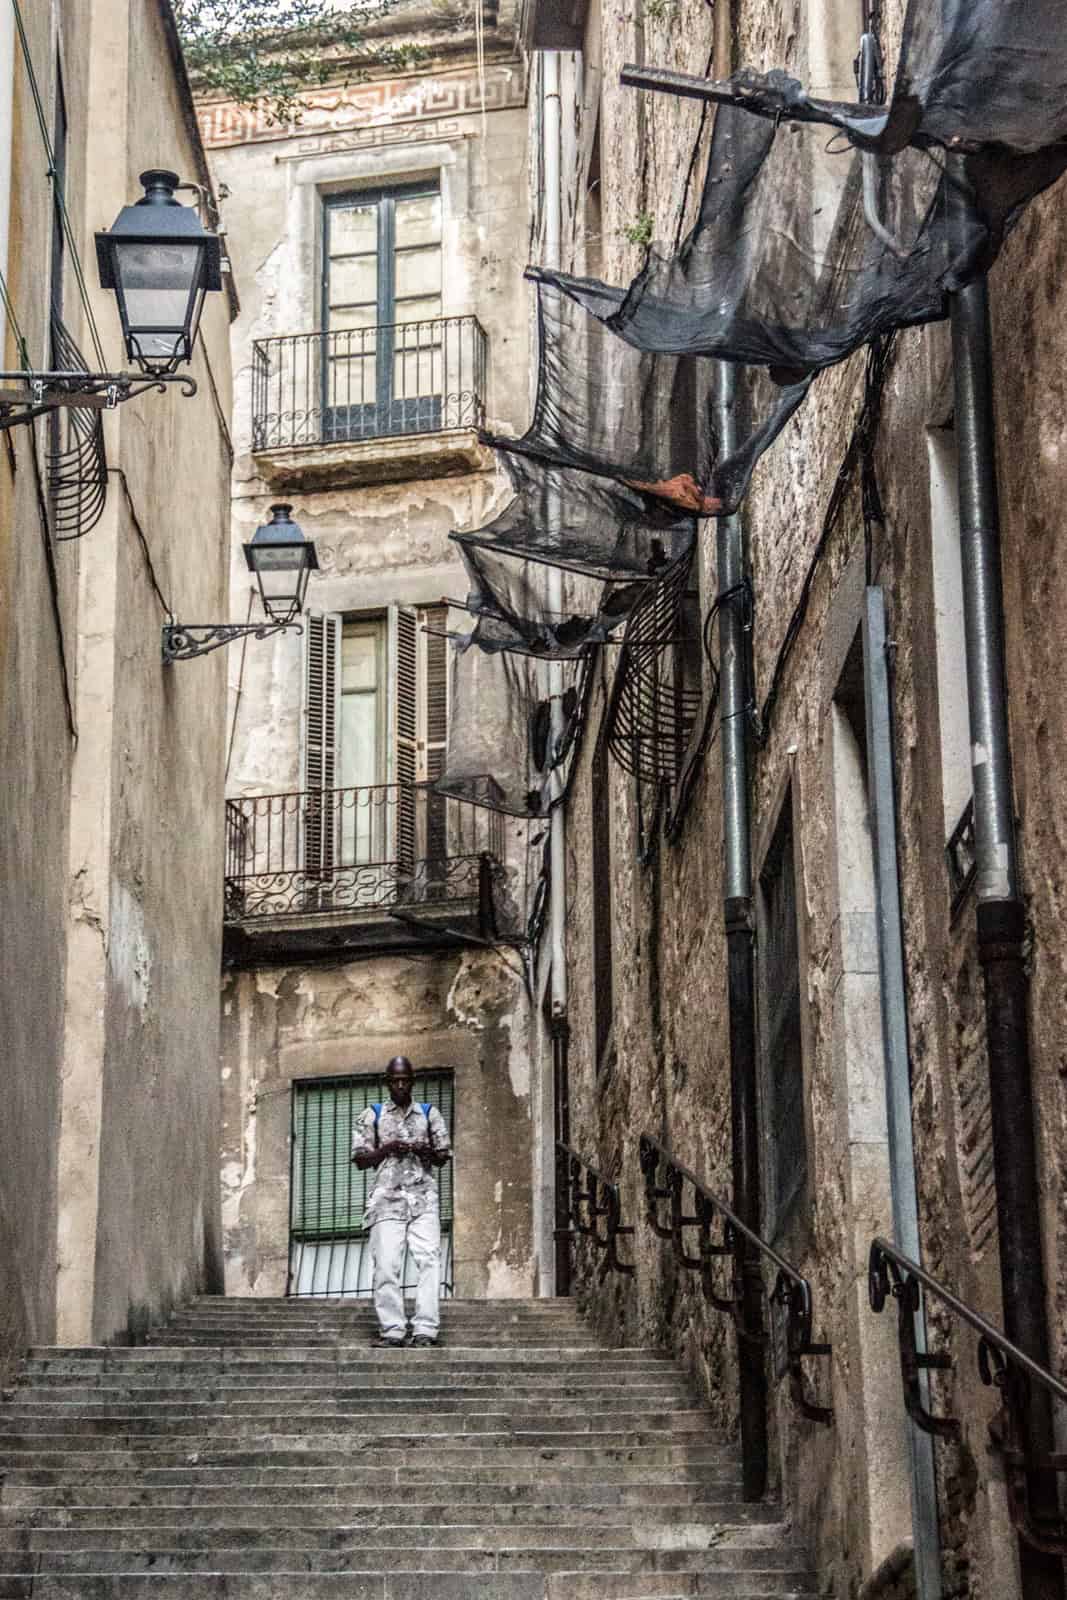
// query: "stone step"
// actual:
[[560, 1357], [243, 1419], [133, 1477], [190, 1383], [406, 1586], [500, 1451], [345, 1499], [731, 1518], [406, 1557]]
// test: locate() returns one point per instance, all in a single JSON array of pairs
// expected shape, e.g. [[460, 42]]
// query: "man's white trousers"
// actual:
[[389, 1242]]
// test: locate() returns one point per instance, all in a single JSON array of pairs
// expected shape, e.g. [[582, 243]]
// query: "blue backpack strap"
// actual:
[[376, 1107]]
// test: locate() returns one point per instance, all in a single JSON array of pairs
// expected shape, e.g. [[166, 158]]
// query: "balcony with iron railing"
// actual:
[[403, 399], [318, 871]]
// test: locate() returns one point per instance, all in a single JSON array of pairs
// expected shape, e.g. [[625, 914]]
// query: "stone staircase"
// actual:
[[256, 1450]]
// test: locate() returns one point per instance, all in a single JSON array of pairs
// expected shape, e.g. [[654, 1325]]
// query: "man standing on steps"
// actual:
[[404, 1142]]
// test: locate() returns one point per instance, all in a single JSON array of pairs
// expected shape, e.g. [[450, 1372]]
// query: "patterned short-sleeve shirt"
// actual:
[[404, 1186]]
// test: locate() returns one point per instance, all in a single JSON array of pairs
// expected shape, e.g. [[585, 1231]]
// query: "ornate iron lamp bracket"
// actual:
[[27, 395], [184, 640]]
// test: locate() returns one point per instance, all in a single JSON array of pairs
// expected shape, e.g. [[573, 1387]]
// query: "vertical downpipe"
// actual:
[[1001, 913], [552, 133], [741, 975]]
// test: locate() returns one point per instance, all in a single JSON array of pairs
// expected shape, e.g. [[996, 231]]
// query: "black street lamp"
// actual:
[[160, 262], [282, 560]]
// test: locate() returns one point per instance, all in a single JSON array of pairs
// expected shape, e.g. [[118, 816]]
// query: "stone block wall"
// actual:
[[845, 1486]]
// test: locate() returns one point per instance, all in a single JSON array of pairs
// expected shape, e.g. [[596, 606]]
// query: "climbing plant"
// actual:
[[272, 52]]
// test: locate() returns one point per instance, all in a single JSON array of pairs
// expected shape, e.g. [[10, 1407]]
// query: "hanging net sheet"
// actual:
[[804, 249], [609, 480], [501, 750]]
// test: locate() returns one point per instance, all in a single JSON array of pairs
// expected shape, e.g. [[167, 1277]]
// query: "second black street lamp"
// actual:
[[282, 560]]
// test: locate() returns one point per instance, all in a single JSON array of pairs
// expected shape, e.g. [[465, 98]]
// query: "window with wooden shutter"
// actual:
[[404, 682], [434, 621], [322, 685]]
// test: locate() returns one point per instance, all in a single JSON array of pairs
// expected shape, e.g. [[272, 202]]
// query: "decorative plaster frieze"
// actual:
[[370, 106]]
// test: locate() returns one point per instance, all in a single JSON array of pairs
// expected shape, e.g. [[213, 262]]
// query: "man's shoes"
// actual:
[[422, 1341], [380, 1342]]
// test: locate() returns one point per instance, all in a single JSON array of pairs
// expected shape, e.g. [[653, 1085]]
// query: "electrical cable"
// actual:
[[57, 192]]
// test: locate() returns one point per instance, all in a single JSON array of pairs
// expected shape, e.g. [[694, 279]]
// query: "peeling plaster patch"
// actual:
[[507, 1279], [129, 956], [498, 1190], [267, 982], [227, 1073]]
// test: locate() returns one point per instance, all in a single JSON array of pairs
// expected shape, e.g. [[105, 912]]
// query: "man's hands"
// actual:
[[395, 1147]]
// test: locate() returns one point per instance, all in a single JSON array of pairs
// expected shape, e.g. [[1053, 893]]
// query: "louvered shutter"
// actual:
[[404, 687], [321, 722], [435, 725]]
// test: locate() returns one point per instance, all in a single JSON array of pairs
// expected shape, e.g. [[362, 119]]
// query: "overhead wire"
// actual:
[[57, 190]]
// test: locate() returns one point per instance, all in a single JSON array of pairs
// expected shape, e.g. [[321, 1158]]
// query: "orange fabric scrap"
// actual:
[[681, 490]]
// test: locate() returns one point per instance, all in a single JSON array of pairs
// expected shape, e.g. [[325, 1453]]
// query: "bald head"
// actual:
[[400, 1076]]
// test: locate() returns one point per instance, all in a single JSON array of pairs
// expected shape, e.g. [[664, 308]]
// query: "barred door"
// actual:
[[329, 1248]]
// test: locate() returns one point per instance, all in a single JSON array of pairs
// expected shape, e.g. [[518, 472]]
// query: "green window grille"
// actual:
[[328, 1244]]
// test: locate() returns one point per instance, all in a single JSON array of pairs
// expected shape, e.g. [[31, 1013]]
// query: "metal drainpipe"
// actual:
[[552, 133], [1001, 914], [741, 974]]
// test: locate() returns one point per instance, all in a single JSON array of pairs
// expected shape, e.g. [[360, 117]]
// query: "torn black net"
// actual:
[[824, 224], [503, 751]]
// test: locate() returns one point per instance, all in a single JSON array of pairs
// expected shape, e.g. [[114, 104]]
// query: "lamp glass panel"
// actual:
[[158, 283]]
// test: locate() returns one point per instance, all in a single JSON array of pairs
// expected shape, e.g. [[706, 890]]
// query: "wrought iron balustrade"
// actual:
[[350, 384], [1001, 1364], [583, 1199], [397, 847], [790, 1300]]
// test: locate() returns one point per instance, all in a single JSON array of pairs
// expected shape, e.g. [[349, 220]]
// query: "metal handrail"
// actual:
[[791, 1294], [1001, 1365], [580, 1185]]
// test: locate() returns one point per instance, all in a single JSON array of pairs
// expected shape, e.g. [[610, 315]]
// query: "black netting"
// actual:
[[805, 247], [500, 724]]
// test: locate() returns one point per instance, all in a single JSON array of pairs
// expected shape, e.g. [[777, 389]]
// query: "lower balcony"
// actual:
[[318, 872]]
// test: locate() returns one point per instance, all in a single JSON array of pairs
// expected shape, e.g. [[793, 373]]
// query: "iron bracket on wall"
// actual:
[[27, 395], [790, 1300], [184, 640], [584, 1198], [1001, 1365]]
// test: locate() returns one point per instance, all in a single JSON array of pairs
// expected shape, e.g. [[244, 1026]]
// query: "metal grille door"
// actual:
[[329, 1249]]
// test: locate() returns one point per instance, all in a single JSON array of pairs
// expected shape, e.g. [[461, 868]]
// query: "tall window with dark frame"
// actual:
[[383, 353], [783, 1063], [603, 973]]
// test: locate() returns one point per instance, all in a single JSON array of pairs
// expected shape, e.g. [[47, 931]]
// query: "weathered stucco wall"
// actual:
[[36, 742], [847, 1486], [138, 1213], [111, 842], [463, 1013]]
